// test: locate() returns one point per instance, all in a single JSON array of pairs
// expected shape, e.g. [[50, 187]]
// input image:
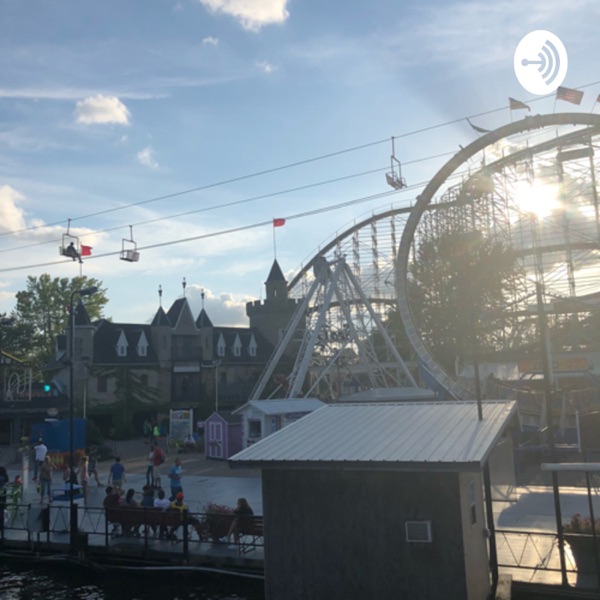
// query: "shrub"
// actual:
[[217, 520], [579, 524]]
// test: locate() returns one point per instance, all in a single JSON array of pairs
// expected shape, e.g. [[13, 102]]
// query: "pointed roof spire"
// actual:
[[202, 296], [81, 314], [203, 320], [160, 295], [160, 319], [184, 284], [275, 274]]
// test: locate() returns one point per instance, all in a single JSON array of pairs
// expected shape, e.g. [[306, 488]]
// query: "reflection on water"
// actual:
[[70, 582]]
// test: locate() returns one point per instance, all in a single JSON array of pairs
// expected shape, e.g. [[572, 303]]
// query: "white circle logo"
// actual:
[[540, 62]]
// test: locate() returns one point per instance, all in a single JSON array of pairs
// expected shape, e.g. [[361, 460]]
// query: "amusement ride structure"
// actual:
[[504, 238]]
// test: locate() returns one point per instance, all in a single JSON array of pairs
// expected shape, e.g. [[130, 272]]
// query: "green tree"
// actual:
[[15, 336], [132, 395], [460, 284], [43, 310]]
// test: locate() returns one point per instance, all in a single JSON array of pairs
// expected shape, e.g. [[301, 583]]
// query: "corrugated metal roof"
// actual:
[[430, 434], [401, 394], [284, 406]]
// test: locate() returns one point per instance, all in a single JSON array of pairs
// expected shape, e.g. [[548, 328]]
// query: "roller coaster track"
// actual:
[[423, 203]]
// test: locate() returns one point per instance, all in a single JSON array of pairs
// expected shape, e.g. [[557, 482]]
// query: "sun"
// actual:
[[537, 198]]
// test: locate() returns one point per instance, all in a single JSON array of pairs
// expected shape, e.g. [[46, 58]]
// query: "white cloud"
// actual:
[[12, 218], [210, 41], [225, 309], [265, 66], [146, 157], [101, 109], [252, 14]]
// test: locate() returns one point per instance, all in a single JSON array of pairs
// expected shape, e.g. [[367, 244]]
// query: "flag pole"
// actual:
[[274, 243]]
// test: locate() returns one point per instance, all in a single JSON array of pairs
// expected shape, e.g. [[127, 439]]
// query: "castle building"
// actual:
[[126, 372]]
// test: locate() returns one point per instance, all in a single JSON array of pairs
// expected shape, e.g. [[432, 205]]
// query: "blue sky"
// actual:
[[105, 106]]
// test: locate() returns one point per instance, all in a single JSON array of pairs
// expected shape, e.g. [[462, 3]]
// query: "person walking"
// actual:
[[175, 479], [83, 475], [117, 474], [150, 469], [92, 466], [46, 479], [147, 428], [40, 455], [158, 458]]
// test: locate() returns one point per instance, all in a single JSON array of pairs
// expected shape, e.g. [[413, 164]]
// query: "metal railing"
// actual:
[[195, 534]]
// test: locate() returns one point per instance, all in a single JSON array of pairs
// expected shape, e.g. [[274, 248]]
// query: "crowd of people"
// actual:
[[76, 479]]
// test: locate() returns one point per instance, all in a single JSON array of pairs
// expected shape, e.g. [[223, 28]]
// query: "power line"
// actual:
[[281, 167], [231, 230], [227, 204]]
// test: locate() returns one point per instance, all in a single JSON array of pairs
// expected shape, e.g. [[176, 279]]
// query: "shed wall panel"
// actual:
[[340, 534]]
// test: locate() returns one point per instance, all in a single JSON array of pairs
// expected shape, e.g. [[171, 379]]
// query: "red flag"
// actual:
[[86, 250], [569, 94], [278, 222]]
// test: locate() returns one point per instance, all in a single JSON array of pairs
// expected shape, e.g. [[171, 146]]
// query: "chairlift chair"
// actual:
[[394, 177], [129, 250], [67, 240]]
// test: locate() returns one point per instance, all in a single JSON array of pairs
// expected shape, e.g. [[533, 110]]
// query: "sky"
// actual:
[[187, 126]]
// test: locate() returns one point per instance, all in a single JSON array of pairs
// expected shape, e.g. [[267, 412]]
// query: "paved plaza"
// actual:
[[204, 480]]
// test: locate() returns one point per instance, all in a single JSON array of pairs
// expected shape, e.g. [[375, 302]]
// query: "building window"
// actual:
[[254, 429], [472, 503], [252, 347], [144, 380], [102, 384], [418, 531], [221, 346]]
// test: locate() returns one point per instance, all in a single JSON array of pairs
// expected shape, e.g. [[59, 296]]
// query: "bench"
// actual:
[[251, 531], [129, 517]]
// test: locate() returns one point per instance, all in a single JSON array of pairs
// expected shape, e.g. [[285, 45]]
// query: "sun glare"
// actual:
[[537, 198]]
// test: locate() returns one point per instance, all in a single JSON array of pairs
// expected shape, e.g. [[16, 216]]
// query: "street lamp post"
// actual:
[[72, 506], [217, 364]]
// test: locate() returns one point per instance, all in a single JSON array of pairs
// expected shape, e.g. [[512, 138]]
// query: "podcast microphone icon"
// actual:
[[551, 62]]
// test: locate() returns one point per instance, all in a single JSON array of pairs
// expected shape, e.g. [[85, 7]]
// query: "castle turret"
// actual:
[[272, 316], [276, 285]]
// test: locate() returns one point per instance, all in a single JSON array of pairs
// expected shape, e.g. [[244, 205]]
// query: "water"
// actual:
[[63, 581]]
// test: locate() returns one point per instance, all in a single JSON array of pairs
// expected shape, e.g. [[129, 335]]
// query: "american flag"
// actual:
[[569, 94], [517, 104]]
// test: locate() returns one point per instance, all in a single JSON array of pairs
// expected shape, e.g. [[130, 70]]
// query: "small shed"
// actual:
[[222, 435], [379, 501], [261, 418]]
